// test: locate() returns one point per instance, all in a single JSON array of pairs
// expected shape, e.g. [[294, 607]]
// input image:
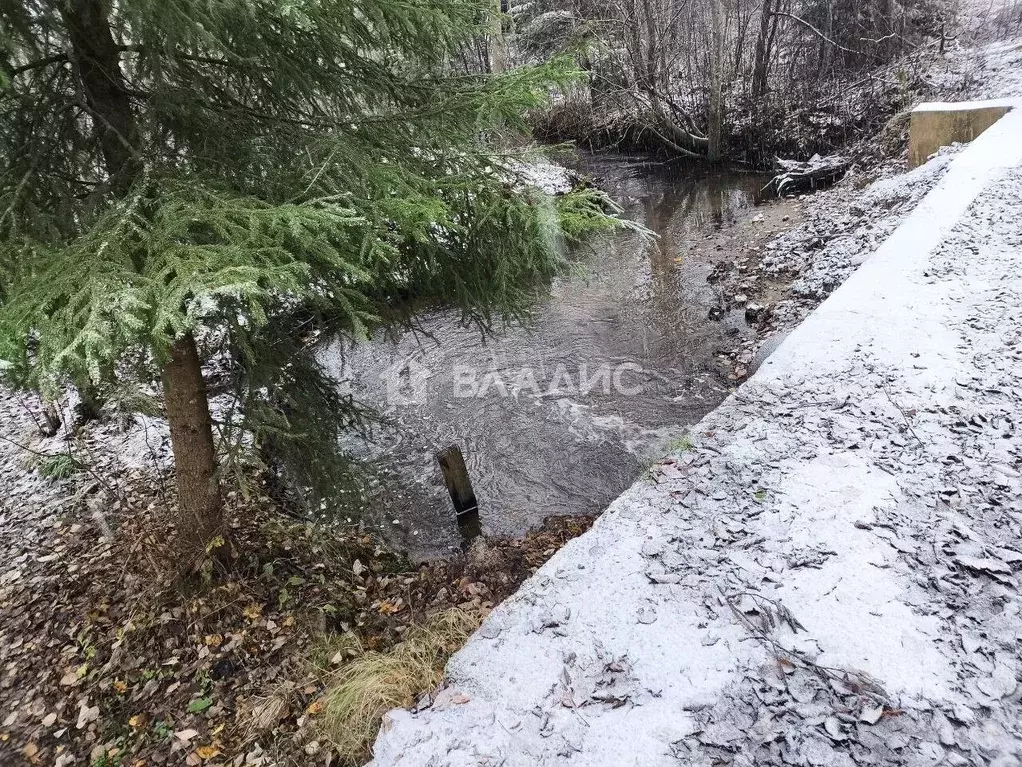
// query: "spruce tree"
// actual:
[[174, 172]]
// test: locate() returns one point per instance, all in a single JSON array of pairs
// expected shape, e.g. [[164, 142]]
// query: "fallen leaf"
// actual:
[[87, 715], [74, 676], [833, 727], [199, 705], [1000, 684], [269, 712], [185, 735], [984, 565], [253, 612], [646, 614], [207, 752], [871, 714]]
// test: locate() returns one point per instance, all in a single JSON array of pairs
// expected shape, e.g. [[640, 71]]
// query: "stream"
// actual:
[[561, 415]]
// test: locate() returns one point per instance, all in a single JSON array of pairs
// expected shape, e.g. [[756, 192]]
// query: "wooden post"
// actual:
[[466, 508]]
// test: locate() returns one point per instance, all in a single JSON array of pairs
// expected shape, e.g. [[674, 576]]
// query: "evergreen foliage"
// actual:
[[279, 157]]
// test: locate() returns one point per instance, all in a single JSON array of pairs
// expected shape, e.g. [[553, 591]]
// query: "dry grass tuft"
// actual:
[[373, 682]]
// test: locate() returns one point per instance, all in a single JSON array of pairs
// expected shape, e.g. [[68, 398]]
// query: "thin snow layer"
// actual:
[[963, 106], [828, 576], [550, 178]]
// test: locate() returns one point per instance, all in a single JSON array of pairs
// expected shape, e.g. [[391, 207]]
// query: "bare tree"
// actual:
[[715, 116]]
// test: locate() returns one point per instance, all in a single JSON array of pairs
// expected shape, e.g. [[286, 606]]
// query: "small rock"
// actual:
[[755, 312]]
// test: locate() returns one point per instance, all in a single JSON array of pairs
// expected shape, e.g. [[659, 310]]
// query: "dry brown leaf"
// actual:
[[269, 712], [207, 752], [253, 612]]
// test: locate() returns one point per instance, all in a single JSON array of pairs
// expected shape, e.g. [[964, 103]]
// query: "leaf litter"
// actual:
[[109, 659]]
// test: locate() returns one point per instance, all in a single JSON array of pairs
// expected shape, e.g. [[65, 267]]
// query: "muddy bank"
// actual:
[[783, 277]]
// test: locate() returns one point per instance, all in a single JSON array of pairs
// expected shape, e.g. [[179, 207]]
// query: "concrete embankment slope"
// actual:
[[830, 576]]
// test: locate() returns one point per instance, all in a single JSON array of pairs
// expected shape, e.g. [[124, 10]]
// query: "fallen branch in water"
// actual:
[[815, 173]]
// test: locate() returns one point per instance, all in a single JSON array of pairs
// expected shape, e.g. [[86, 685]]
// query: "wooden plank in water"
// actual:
[[452, 464]]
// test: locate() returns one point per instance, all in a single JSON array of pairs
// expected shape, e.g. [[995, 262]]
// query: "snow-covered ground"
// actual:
[[844, 225], [829, 576]]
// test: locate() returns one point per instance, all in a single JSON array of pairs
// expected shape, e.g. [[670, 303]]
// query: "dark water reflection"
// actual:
[[618, 359]]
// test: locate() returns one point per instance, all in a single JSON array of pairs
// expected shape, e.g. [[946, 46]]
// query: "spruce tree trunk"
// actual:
[[200, 517], [97, 60]]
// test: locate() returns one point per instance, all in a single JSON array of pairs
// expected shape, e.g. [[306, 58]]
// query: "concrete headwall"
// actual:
[[934, 125]]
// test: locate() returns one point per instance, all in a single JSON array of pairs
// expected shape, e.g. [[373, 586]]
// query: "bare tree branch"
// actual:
[[813, 29], [44, 62]]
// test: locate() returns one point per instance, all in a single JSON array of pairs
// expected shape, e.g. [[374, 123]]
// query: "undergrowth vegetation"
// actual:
[[372, 682]]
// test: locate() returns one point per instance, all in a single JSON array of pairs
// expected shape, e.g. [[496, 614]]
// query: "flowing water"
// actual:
[[561, 415]]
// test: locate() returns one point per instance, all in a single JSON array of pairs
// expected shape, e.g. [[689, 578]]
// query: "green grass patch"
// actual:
[[61, 466]]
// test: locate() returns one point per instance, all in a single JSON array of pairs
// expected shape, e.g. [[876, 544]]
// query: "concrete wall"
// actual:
[[935, 125]]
